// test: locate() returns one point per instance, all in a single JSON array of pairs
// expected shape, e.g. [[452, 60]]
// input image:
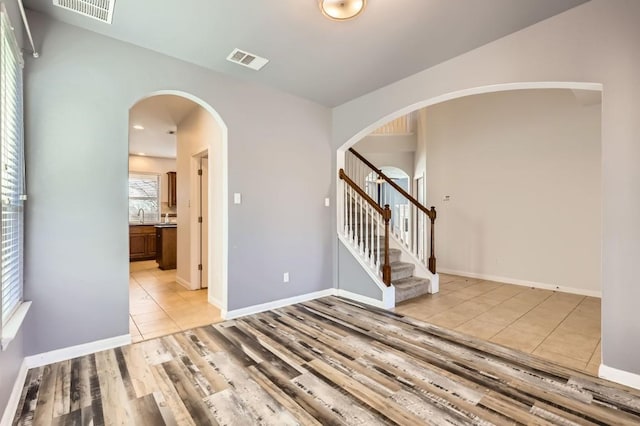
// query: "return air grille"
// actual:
[[102, 10], [246, 59]]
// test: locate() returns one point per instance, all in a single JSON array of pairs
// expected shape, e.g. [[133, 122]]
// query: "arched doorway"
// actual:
[[476, 175], [199, 212]]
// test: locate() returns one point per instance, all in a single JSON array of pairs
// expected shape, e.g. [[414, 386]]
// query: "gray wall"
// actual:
[[80, 91], [595, 43], [11, 359], [352, 277]]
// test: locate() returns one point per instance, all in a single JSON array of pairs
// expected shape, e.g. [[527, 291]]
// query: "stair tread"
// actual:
[[410, 282], [401, 265]]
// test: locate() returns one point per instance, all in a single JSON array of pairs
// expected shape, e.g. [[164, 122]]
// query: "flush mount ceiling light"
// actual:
[[138, 127], [342, 10]]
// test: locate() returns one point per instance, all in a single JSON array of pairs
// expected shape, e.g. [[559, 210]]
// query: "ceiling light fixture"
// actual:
[[138, 127], [142, 154], [342, 10]]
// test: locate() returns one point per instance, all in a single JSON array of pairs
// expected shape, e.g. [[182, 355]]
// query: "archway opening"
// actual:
[[517, 212], [178, 214]]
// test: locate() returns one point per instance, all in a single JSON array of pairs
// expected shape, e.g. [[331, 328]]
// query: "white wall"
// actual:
[[199, 132], [522, 169], [145, 164], [592, 43]]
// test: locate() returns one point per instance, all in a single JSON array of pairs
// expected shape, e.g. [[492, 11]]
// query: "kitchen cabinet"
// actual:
[[142, 242], [166, 245], [171, 189]]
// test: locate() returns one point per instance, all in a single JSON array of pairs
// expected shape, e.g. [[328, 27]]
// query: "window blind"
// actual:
[[12, 181], [144, 193]]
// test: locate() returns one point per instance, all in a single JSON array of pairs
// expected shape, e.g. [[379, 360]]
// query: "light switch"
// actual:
[[327, 202], [237, 198]]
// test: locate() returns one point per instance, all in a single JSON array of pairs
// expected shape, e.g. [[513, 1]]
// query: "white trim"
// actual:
[[215, 302], [14, 398], [619, 376], [71, 352], [237, 313], [544, 286], [10, 330], [367, 300], [184, 283]]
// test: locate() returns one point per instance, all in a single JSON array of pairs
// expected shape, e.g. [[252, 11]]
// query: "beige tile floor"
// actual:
[[158, 305], [560, 327]]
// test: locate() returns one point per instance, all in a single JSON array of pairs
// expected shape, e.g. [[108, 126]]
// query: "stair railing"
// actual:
[[408, 219], [362, 220]]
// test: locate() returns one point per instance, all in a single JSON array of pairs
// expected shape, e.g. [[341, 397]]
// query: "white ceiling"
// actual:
[[158, 115], [310, 56]]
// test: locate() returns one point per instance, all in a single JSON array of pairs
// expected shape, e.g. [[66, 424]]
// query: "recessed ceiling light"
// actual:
[[142, 153], [342, 10], [138, 127]]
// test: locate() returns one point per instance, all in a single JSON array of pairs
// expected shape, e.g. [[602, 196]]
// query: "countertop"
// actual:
[[159, 225]]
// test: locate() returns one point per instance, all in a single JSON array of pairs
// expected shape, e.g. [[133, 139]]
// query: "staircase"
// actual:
[[393, 248], [406, 284]]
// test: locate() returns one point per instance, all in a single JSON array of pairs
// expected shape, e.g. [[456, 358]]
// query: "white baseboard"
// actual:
[[619, 376], [184, 283], [75, 351], [384, 304], [14, 398], [515, 281], [236, 313], [215, 302]]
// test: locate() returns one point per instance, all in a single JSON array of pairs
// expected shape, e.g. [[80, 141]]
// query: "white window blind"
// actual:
[[12, 180], [144, 193]]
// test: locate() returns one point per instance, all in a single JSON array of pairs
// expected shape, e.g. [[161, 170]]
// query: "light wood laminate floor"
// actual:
[[560, 327], [158, 305], [323, 362]]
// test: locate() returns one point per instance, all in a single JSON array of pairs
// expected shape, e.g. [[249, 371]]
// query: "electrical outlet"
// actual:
[[285, 277]]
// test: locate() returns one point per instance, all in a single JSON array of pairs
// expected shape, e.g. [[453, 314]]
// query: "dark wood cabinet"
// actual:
[[166, 246], [142, 242], [171, 189]]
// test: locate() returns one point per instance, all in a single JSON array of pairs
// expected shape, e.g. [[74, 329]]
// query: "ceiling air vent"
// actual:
[[247, 59], [102, 10]]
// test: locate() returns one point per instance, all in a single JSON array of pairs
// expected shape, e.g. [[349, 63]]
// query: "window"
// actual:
[[144, 196], [12, 181]]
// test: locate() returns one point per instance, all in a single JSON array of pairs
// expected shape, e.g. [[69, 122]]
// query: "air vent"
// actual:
[[247, 59], [102, 10]]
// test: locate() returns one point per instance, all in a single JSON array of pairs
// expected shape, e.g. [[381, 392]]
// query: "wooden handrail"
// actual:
[[431, 213], [363, 194], [428, 212], [386, 216]]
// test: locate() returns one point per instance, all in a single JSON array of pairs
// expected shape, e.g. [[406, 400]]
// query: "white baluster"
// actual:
[[360, 225], [367, 248], [378, 216], [373, 235]]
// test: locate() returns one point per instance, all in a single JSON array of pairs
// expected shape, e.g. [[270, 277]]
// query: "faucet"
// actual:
[[141, 219], [166, 218]]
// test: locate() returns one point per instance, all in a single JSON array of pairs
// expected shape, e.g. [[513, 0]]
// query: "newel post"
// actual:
[[432, 253], [386, 268]]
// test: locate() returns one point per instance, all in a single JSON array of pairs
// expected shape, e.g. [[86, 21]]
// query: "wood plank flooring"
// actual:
[[323, 362]]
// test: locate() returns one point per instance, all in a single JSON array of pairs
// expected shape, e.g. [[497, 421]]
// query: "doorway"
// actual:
[[202, 230], [178, 297]]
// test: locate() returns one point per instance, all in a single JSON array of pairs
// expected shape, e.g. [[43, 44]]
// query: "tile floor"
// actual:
[[158, 305], [560, 327]]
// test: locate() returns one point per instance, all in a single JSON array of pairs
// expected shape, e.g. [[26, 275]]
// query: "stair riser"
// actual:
[[402, 295], [401, 273]]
